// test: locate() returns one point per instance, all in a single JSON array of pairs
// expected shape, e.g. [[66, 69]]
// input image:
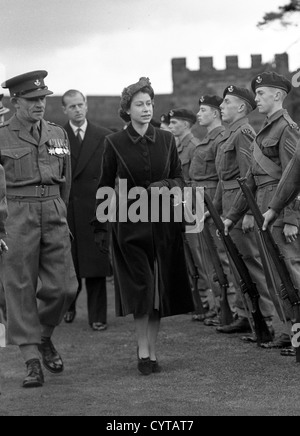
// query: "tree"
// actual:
[[283, 14]]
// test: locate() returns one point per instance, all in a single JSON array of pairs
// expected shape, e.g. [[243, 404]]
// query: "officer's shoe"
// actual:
[[241, 325], [280, 343], [35, 376], [253, 338], [52, 361]]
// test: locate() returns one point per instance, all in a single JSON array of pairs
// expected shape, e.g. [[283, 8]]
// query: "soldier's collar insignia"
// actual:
[[231, 89], [259, 80]]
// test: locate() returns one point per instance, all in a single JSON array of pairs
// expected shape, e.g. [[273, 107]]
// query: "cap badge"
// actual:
[[202, 99], [259, 80], [171, 113], [37, 83], [231, 89]]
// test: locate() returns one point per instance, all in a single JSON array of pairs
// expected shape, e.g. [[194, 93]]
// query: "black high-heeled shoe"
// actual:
[[144, 365], [156, 368]]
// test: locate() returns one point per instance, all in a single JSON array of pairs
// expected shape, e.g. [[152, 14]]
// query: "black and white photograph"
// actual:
[[150, 210]]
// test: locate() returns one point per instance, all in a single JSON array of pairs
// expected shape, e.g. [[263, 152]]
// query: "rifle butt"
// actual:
[[226, 317], [262, 331]]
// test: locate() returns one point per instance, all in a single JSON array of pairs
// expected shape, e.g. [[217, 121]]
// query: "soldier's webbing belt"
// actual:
[[269, 167], [229, 185], [41, 191]]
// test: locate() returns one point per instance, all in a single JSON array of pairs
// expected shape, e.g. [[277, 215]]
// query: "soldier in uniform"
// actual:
[[36, 158], [273, 150], [233, 161], [287, 190], [203, 173], [3, 246], [3, 110], [181, 123]]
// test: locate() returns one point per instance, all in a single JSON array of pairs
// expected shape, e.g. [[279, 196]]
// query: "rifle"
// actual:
[[247, 285], [194, 276], [289, 294], [226, 317]]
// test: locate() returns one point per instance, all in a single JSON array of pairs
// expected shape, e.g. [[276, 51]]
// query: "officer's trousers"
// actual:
[[39, 249], [247, 246]]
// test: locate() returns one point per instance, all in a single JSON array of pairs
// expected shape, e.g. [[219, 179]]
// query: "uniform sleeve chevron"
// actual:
[[247, 153]]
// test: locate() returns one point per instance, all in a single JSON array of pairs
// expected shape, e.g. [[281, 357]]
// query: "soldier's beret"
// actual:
[[242, 93], [271, 80], [183, 114], [128, 94], [28, 85], [3, 110], [165, 119], [211, 100]]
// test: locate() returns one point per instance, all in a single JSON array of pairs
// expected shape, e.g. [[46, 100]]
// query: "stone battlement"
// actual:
[[281, 62]]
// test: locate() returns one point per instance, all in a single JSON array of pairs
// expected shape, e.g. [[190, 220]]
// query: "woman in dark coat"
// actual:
[[151, 279]]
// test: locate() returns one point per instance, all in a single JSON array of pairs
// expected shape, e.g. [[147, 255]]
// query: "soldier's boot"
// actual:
[[35, 376], [241, 325], [52, 361]]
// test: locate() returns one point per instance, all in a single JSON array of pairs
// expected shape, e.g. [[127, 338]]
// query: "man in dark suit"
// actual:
[[87, 146]]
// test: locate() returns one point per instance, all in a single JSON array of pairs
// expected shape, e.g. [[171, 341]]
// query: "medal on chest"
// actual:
[[58, 147]]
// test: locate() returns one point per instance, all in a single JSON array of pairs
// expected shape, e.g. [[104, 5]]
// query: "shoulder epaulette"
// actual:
[[290, 122], [249, 133]]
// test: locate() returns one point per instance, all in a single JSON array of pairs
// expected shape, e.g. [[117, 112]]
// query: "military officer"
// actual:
[[36, 158], [233, 161], [203, 173], [181, 123], [287, 190], [273, 150], [3, 110]]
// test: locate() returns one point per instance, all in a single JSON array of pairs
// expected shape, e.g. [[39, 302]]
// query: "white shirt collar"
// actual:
[[83, 128]]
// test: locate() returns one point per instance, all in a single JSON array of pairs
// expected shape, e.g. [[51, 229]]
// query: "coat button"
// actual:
[[143, 141]]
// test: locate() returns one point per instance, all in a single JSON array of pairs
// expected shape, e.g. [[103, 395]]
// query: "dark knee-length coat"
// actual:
[[140, 249]]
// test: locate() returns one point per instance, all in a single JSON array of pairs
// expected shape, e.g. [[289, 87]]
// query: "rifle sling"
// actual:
[[269, 167]]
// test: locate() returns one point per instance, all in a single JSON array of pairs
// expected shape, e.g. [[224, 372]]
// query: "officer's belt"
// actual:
[[41, 191], [209, 184], [228, 185], [265, 180], [269, 167]]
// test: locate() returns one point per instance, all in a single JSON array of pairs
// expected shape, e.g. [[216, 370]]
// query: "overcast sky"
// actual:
[[100, 46]]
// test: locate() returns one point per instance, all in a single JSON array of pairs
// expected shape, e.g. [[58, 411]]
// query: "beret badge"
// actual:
[[259, 80], [171, 113], [202, 99], [231, 89]]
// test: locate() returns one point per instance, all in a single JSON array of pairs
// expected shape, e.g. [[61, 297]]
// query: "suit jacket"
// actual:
[[86, 172]]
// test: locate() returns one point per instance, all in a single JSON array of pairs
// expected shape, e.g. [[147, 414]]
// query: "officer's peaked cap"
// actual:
[[28, 85]]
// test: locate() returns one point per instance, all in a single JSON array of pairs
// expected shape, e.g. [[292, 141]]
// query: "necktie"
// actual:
[[79, 137], [35, 133]]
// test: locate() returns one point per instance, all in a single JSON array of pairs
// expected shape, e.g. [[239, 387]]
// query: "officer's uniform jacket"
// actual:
[[233, 161], [277, 140], [27, 163], [186, 149]]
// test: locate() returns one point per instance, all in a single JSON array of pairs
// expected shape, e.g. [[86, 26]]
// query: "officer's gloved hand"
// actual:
[[101, 239]]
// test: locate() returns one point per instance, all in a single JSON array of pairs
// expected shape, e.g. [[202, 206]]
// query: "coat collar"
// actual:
[[270, 120], [135, 137], [24, 134]]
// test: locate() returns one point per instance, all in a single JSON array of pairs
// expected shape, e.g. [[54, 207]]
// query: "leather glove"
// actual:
[[102, 242]]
